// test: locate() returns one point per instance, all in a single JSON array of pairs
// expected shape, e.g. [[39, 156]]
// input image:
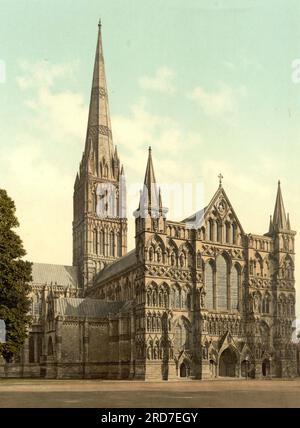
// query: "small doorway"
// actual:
[[184, 370], [266, 367]]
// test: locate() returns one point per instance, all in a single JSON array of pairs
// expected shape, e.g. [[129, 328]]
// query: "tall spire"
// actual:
[[150, 192], [150, 199], [149, 175], [279, 217], [99, 134]]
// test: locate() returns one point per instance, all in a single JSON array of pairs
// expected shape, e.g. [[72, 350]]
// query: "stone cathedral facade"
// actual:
[[201, 301]]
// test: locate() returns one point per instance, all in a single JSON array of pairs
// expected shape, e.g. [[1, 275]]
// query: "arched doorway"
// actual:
[[228, 363], [184, 369], [265, 367]]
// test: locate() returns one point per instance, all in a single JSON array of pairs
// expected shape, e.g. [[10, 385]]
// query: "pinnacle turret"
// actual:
[[279, 216]]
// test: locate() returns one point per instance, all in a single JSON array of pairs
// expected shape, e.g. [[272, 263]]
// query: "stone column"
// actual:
[[36, 356], [120, 320], [85, 359], [58, 344], [132, 345]]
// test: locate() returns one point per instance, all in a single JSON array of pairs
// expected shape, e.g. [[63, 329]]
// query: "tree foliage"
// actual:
[[15, 275]]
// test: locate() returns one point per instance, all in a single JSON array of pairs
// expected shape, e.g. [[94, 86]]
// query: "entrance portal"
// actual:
[[184, 370], [228, 363]]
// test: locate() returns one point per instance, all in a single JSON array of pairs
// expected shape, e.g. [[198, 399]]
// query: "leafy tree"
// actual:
[[15, 275]]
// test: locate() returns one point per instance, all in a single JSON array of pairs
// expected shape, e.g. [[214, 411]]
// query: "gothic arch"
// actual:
[[155, 248], [266, 303], [155, 240], [229, 361]]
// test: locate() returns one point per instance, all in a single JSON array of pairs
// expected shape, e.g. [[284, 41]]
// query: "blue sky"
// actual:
[[206, 83]]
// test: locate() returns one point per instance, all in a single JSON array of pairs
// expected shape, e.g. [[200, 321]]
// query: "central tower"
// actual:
[[99, 200]]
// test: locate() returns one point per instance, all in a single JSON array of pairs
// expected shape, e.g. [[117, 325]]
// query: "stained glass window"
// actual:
[[221, 279]]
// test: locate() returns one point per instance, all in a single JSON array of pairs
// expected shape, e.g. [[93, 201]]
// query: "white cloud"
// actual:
[[39, 170], [162, 81], [138, 130], [43, 74], [60, 114], [222, 101], [171, 148]]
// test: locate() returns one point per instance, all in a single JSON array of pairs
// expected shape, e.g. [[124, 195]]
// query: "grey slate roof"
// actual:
[[117, 267], [90, 308], [49, 274]]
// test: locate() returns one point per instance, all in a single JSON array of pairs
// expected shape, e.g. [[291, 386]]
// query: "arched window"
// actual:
[[102, 242], [219, 231], [208, 231], [221, 283], [95, 243], [234, 288], [36, 305], [228, 233], [209, 286], [234, 233], [211, 230], [119, 245], [112, 243]]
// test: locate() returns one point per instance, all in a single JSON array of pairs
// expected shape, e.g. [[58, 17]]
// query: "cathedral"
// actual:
[[198, 298]]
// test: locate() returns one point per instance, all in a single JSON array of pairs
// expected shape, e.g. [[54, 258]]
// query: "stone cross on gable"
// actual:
[[220, 176]]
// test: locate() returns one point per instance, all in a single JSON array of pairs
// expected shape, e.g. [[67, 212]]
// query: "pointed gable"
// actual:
[[220, 212]]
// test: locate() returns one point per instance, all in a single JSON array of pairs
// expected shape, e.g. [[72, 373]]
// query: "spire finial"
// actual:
[[279, 217], [220, 176], [99, 23]]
